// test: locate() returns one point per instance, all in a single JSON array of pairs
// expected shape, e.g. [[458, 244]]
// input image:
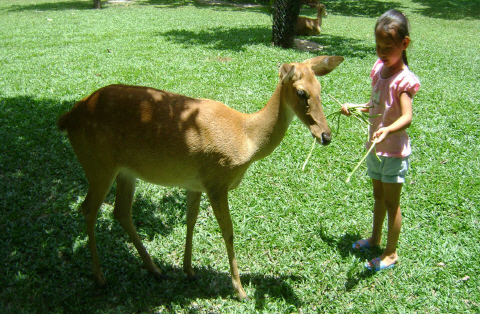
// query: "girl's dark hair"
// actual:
[[398, 22]]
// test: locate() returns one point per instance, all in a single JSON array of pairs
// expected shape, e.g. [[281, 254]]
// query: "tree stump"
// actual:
[[285, 14]]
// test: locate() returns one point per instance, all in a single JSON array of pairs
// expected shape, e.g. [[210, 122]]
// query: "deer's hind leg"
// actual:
[[123, 213]]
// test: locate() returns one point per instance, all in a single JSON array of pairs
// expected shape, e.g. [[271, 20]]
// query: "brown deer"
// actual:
[[311, 27], [125, 132]]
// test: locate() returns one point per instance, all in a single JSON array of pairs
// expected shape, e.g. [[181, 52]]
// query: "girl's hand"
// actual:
[[380, 135], [344, 110]]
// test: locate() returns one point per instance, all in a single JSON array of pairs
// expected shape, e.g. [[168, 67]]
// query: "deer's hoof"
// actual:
[[242, 296]]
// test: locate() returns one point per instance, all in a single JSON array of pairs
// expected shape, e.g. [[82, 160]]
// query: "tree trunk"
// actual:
[[97, 4], [285, 15]]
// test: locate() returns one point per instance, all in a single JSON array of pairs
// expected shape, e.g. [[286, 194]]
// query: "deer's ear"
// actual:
[[286, 72], [323, 65]]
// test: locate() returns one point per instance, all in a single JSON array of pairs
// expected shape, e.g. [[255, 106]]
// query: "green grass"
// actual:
[[293, 229]]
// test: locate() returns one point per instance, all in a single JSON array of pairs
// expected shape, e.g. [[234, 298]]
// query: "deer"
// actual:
[[310, 27], [122, 132]]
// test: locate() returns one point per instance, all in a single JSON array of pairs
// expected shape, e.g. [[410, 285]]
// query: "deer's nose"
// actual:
[[326, 138]]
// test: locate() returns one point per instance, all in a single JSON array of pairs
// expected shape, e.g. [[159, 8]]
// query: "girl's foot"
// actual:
[[377, 264], [362, 245]]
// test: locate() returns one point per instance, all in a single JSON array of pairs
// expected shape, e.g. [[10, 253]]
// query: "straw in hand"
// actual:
[[360, 162], [356, 112]]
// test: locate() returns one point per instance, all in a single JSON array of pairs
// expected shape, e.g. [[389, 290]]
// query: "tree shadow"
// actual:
[[449, 9], [168, 3], [35, 160], [343, 46], [54, 6], [86, 5], [172, 4], [219, 38], [213, 5], [361, 8]]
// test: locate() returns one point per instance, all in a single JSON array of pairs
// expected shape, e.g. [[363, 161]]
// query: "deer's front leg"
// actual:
[[123, 213], [219, 201], [193, 206]]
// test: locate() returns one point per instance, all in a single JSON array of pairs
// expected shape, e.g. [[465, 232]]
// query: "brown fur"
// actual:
[[125, 132], [311, 27]]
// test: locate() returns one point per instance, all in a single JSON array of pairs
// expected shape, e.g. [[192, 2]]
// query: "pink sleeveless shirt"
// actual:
[[385, 99]]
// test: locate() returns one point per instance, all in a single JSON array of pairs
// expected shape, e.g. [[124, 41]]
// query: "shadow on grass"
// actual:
[[343, 46], [151, 218], [343, 246], [362, 8], [444, 9], [449, 9], [219, 38], [238, 39], [221, 5], [45, 258], [268, 287], [87, 5], [169, 3], [53, 6], [37, 168]]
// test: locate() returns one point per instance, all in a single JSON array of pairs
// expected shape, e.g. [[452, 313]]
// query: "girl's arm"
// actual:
[[402, 122]]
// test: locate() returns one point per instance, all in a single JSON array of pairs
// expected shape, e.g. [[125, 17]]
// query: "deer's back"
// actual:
[[161, 137]]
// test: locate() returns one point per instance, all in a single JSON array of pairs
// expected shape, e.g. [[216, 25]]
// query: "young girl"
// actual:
[[393, 87]]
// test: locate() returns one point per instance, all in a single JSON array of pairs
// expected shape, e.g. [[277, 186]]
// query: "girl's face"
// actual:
[[389, 50]]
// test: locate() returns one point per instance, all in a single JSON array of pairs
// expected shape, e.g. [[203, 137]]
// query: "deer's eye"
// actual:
[[302, 94]]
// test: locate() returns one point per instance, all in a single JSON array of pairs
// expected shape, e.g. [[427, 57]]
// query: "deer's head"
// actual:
[[302, 92]]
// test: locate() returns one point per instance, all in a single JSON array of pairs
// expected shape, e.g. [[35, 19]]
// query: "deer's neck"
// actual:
[[319, 16], [267, 127]]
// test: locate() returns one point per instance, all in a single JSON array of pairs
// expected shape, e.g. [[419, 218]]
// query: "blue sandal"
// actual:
[[378, 265], [363, 245]]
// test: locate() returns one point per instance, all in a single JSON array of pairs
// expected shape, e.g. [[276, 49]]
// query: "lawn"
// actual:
[[293, 228]]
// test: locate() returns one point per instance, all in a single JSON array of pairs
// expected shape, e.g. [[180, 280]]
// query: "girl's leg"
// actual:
[[379, 212], [391, 203]]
